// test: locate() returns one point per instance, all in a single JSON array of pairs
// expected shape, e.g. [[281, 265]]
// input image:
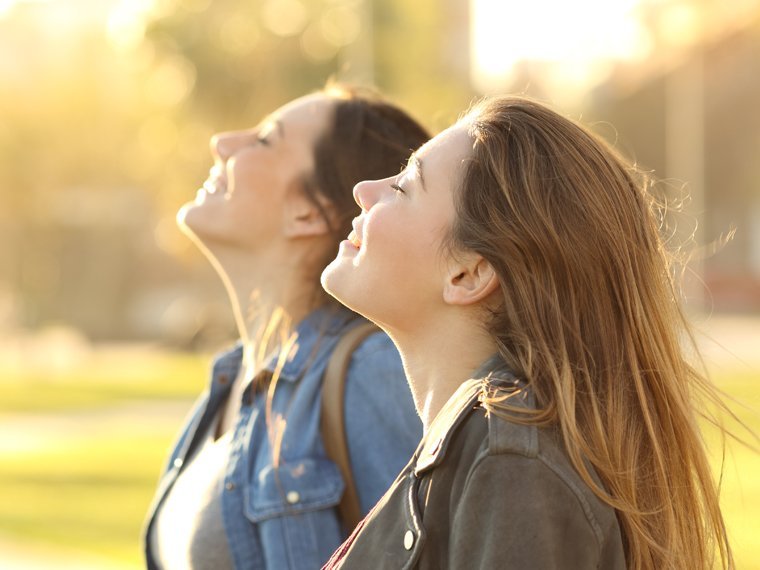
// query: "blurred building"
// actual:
[[695, 122]]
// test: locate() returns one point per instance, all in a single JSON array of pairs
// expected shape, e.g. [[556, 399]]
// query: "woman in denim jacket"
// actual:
[[541, 336], [248, 484]]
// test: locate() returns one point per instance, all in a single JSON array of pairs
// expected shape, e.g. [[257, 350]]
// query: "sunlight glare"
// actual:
[[6, 6], [505, 32], [683, 25], [126, 23]]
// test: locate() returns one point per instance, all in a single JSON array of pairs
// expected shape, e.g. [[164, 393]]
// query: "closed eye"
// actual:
[[398, 188], [267, 129]]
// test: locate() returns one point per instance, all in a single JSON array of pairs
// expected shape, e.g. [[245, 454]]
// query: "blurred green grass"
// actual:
[[88, 490], [90, 498], [113, 377], [739, 467], [83, 481]]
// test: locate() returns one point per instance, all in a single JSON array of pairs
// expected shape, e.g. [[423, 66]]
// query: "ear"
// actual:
[[302, 218], [470, 279]]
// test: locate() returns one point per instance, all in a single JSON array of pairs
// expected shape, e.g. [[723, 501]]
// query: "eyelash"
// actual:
[[398, 188], [263, 140]]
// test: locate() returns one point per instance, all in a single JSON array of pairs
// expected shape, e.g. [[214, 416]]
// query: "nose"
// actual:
[[367, 193], [225, 145]]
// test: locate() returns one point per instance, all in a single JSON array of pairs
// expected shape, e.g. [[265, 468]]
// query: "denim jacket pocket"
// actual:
[[293, 508], [295, 487]]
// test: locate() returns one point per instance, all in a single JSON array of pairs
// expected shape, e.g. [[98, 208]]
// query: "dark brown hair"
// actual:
[[589, 315], [368, 138]]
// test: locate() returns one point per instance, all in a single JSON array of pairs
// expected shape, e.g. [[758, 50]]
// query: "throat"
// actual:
[[438, 361]]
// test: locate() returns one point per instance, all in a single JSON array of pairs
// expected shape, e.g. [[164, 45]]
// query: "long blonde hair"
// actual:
[[590, 317]]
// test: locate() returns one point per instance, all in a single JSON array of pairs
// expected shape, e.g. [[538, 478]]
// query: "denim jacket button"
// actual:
[[229, 485], [293, 497], [408, 540], [178, 462]]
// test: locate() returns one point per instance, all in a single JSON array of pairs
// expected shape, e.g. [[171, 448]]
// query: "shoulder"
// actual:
[[531, 471], [226, 363], [537, 507]]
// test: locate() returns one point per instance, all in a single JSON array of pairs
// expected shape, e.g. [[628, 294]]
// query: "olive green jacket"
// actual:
[[483, 492]]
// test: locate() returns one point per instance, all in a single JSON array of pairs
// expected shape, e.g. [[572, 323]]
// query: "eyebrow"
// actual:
[[268, 123], [414, 159]]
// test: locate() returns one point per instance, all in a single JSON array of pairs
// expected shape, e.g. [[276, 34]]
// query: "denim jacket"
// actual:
[[285, 516], [484, 492]]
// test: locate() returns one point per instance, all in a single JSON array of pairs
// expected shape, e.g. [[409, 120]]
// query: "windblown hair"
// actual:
[[589, 316]]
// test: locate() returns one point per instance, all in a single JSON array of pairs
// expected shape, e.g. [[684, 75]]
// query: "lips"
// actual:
[[353, 238], [213, 186], [216, 181]]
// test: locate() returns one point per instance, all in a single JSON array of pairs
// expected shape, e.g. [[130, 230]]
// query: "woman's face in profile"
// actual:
[[245, 199], [392, 267]]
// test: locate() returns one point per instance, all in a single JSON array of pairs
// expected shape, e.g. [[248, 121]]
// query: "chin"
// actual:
[[198, 226], [337, 282], [340, 280], [187, 219], [182, 214], [331, 278]]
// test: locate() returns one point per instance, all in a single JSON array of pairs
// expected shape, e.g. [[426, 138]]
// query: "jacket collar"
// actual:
[[456, 410], [321, 325]]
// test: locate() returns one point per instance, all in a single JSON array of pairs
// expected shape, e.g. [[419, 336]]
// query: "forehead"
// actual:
[[309, 114], [443, 155]]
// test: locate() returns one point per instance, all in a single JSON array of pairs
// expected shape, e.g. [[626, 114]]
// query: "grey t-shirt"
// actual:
[[189, 532]]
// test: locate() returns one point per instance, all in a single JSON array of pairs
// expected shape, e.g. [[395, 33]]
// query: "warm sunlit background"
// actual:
[[108, 315]]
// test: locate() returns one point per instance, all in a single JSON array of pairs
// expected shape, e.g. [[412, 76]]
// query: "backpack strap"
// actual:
[[333, 414]]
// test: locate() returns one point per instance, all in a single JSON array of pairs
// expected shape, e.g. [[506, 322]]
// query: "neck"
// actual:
[[439, 357], [264, 289]]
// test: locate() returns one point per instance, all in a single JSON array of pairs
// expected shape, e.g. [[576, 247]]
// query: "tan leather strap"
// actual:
[[332, 422]]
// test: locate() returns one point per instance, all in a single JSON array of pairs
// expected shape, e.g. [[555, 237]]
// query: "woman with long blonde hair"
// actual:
[[516, 264]]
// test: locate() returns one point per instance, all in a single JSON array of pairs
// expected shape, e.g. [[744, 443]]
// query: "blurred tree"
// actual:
[[118, 101]]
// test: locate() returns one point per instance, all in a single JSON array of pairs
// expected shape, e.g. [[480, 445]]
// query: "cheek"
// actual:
[[256, 197], [250, 176], [400, 251], [380, 234]]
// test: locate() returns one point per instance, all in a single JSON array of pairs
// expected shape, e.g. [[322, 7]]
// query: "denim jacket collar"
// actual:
[[322, 323]]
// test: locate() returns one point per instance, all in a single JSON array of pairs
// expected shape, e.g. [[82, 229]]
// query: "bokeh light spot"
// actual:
[[680, 25], [340, 25], [316, 46], [158, 136], [284, 17], [125, 30], [171, 81], [236, 35]]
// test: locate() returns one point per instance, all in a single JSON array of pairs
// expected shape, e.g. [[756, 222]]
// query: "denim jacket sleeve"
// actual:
[[382, 426]]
